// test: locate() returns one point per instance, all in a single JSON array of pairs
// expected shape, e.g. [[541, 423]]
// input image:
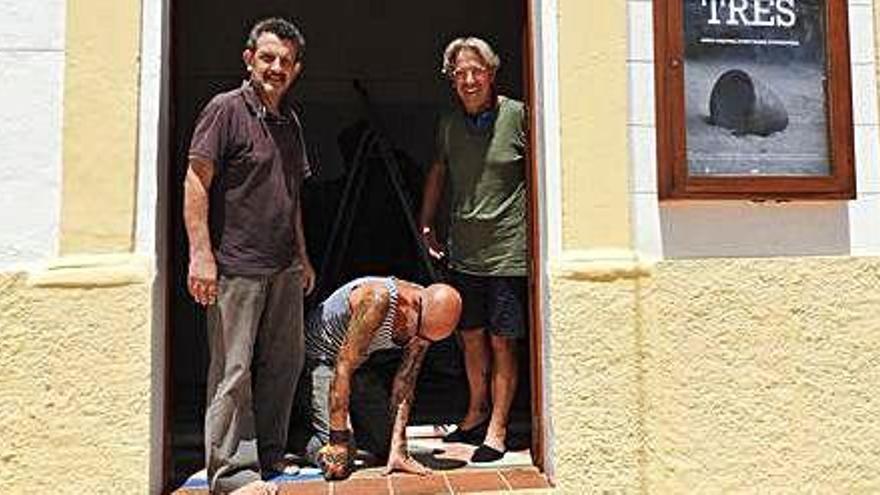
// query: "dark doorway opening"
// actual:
[[393, 49]]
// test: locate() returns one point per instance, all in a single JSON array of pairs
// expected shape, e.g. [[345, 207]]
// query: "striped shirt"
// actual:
[[327, 324]]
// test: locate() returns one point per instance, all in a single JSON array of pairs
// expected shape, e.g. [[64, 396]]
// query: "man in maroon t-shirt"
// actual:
[[248, 260]]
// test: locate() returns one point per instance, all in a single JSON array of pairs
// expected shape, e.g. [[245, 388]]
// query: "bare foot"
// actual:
[[405, 464], [495, 438], [495, 443], [257, 488], [471, 421]]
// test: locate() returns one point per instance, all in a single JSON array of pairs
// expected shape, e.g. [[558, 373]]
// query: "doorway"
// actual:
[[392, 49]]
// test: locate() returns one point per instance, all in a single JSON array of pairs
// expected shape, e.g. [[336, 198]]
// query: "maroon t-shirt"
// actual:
[[259, 164]]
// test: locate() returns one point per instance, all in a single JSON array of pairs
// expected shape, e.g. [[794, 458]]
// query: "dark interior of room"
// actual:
[[392, 49]]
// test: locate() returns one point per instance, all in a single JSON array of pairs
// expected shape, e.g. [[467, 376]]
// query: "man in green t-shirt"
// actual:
[[481, 148]]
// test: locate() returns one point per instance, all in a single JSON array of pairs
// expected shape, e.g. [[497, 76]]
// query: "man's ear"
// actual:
[[297, 68], [248, 56]]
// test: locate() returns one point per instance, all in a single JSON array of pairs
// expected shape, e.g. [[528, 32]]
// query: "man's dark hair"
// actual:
[[282, 28]]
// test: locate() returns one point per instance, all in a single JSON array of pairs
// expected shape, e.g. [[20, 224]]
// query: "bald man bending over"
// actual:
[[364, 318]]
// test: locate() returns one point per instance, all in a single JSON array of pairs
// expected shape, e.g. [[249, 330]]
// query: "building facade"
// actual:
[[691, 346]]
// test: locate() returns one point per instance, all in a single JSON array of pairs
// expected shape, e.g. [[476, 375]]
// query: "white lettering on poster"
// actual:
[[766, 13]]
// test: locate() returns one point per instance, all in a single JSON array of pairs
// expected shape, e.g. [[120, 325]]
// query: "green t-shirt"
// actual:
[[486, 170]]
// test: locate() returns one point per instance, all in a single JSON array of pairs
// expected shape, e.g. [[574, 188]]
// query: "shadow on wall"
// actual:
[[754, 229]]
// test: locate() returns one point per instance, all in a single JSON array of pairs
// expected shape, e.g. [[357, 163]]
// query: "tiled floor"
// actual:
[[467, 480], [452, 473]]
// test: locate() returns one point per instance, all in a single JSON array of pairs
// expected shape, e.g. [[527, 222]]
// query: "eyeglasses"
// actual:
[[475, 72]]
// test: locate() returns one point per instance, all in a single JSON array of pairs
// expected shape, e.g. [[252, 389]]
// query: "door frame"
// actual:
[[537, 290], [535, 277]]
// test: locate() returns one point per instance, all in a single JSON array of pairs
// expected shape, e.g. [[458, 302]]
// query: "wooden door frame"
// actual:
[[169, 54], [674, 178], [535, 280], [536, 288]]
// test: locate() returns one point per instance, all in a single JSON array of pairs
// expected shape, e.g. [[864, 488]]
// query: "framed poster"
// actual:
[[753, 99]]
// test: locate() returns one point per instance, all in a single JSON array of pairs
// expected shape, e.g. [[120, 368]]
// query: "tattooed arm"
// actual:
[[369, 306], [402, 395]]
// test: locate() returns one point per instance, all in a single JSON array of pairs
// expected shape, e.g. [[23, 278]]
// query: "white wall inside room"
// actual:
[[151, 237], [31, 93], [152, 122], [691, 229], [547, 115]]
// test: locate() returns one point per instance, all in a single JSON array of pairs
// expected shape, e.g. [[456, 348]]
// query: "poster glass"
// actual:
[[755, 97]]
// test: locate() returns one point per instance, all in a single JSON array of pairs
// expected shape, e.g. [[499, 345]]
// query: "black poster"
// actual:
[[754, 83]]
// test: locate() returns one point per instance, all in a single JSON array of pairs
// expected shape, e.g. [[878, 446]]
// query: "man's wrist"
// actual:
[[340, 436], [201, 253]]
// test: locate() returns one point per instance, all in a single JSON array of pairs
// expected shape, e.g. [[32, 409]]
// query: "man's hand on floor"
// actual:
[[336, 461], [402, 462]]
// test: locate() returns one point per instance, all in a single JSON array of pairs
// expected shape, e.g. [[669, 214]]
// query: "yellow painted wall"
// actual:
[[593, 387], [100, 125], [76, 365], [75, 376], [705, 376], [593, 108], [877, 41], [719, 376], [697, 376], [763, 374]]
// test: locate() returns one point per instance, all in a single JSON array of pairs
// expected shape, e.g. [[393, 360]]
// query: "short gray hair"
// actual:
[[482, 49], [284, 29]]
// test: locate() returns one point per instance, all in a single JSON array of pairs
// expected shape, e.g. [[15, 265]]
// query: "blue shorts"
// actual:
[[498, 304]]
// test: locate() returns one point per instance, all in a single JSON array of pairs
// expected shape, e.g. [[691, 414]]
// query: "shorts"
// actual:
[[498, 304]]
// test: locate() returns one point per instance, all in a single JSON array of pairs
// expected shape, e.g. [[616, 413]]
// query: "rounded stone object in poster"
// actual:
[[746, 105]]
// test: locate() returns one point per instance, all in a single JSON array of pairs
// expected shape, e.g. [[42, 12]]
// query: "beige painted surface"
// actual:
[[75, 379], [594, 392], [105, 270], [100, 125], [593, 112], [719, 376], [877, 41]]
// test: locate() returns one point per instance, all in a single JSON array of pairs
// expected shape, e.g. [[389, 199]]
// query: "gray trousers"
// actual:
[[368, 403], [255, 335], [321, 374]]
